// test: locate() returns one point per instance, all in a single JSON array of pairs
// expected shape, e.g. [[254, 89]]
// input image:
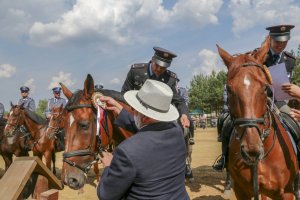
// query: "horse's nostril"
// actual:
[[74, 183]]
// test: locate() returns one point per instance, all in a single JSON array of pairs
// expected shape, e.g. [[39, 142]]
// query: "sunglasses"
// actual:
[[24, 91], [56, 92]]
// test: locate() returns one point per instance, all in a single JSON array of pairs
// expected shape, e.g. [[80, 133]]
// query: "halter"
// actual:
[[16, 125]]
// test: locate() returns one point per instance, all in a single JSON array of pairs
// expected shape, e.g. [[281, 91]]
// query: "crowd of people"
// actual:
[[160, 114]]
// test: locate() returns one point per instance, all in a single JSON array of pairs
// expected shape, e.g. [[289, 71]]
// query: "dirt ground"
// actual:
[[207, 185]]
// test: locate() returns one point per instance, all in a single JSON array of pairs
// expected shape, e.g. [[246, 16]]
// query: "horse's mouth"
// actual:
[[250, 159]]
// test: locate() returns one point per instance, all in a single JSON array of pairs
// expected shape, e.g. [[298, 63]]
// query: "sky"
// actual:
[[46, 42]]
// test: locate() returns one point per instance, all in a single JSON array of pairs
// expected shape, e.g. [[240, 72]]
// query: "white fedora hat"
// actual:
[[153, 100]]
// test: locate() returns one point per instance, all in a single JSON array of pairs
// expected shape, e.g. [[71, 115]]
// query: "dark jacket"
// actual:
[[139, 73], [148, 165], [287, 58]]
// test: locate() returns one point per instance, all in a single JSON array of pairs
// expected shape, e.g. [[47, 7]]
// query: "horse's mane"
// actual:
[[34, 117], [114, 94]]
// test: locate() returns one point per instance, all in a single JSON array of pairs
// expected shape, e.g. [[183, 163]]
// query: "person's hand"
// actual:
[[184, 120], [48, 116], [106, 158], [112, 104], [295, 114], [291, 89]]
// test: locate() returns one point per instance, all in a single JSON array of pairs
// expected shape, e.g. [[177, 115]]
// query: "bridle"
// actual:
[[266, 120], [17, 124], [56, 121], [81, 152]]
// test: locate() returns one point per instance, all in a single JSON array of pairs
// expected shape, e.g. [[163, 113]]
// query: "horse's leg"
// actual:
[[240, 194], [96, 170], [53, 157], [8, 160], [296, 187], [228, 181], [48, 156]]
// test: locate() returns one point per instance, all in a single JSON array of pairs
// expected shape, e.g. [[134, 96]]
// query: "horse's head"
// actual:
[[80, 128], [247, 83], [15, 119], [57, 121]]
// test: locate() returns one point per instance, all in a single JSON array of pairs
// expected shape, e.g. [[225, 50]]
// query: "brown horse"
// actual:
[[12, 144], [41, 145], [82, 142], [261, 155]]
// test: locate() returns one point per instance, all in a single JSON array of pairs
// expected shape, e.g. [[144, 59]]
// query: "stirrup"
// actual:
[[219, 163]]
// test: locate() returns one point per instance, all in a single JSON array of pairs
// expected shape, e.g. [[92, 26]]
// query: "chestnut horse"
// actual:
[[82, 142], [261, 155], [12, 144], [41, 145]]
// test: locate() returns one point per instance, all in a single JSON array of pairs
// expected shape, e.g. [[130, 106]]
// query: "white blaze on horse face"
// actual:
[[10, 113], [247, 82], [71, 120]]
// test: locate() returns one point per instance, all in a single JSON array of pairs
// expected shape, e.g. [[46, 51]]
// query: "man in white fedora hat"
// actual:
[[151, 163]]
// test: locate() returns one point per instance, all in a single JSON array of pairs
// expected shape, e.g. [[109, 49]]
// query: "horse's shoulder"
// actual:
[[289, 55]]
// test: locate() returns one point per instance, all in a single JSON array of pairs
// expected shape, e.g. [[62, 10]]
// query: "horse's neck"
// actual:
[[33, 128]]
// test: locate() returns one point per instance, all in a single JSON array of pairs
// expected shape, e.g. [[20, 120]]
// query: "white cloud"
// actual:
[[62, 77], [115, 81], [121, 21], [249, 13], [209, 62], [30, 83], [7, 70]]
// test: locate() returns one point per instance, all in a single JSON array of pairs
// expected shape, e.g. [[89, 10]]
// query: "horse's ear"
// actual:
[[61, 106], [88, 86], [226, 57], [66, 91], [262, 52], [11, 104]]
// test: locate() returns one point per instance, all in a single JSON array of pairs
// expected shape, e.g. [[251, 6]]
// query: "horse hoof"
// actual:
[[191, 180], [227, 192]]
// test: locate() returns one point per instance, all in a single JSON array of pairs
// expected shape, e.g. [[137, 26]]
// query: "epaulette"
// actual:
[[139, 65], [288, 54], [172, 74]]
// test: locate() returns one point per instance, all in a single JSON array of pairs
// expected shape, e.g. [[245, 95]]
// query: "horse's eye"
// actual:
[[84, 125]]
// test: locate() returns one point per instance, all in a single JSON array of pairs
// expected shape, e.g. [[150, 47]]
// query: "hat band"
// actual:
[[148, 106], [162, 59]]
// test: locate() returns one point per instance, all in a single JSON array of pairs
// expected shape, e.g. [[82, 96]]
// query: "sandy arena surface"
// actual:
[[207, 185]]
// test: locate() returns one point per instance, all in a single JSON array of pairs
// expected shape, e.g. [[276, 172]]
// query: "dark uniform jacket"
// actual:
[[289, 61], [28, 103], [287, 58], [139, 73], [148, 165]]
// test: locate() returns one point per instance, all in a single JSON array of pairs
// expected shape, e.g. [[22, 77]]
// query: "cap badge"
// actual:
[[166, 55], [283, 28]]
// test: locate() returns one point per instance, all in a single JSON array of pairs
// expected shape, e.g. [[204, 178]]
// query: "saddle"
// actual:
[[293, 128]]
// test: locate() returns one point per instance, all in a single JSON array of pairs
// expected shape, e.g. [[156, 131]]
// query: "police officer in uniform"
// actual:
[[27, 101], [56, 101], [1, 111], [156, 69], [279, 35]]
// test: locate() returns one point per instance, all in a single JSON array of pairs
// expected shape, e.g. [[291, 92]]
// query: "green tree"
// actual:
[[42, 107], [206, 92], [296, 73]]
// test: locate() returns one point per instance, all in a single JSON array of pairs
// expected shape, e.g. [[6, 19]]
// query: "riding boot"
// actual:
[[191, 132], [219, 165]]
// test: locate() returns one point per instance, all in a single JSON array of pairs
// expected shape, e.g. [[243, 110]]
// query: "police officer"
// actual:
[[280, 36], [27, 101], [98, 87], [56, 101], [156, 69], [1, 111]]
